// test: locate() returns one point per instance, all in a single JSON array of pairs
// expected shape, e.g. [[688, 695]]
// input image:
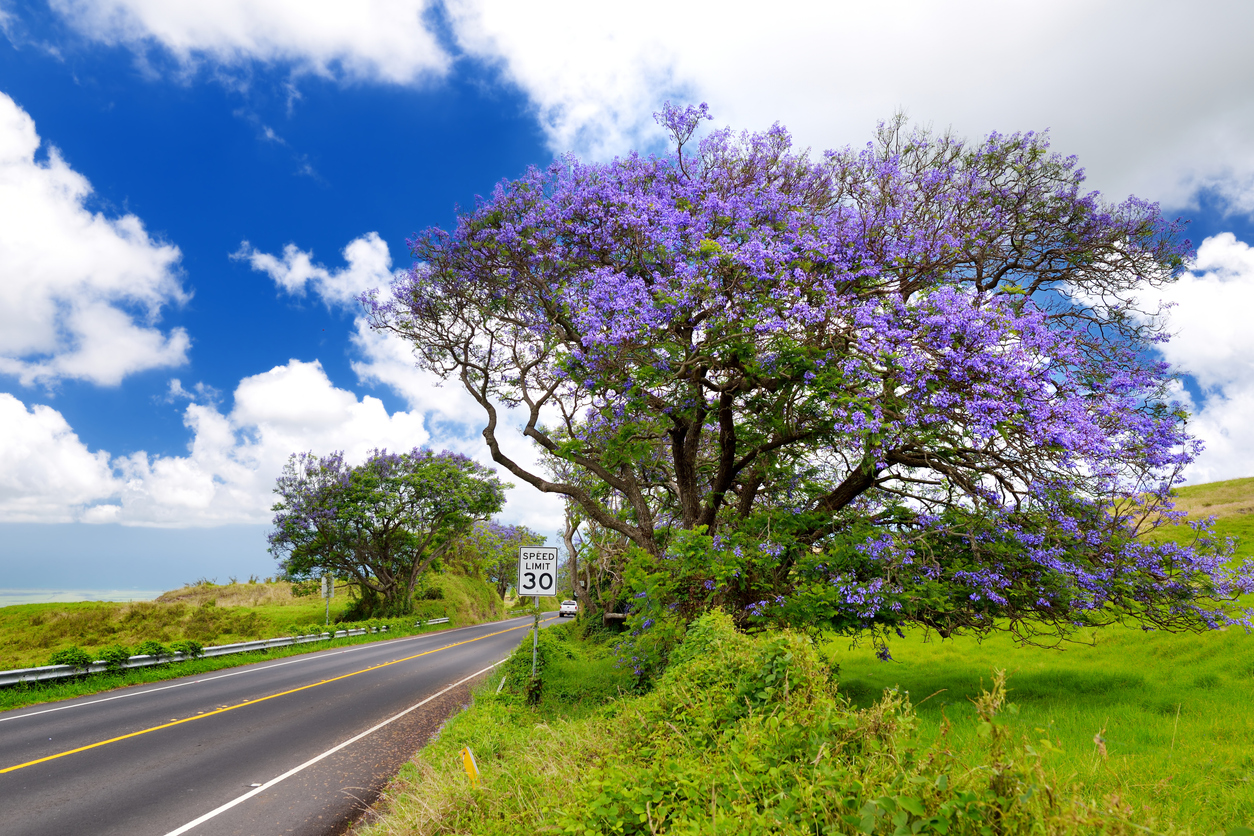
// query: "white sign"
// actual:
[[537, 570]]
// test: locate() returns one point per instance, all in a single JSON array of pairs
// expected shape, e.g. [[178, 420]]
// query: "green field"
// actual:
[[1174, 713]]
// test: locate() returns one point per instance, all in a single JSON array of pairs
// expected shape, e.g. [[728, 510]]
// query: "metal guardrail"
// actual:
[[46, 672]]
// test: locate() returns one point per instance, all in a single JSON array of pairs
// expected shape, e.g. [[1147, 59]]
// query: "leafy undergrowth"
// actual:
[[741, 735], [208, 613]]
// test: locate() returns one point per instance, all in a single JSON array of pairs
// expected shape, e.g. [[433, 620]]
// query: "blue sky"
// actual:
[[191, 194]]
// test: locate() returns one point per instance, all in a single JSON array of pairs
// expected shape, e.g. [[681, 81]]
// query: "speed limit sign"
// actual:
[[537, 570]]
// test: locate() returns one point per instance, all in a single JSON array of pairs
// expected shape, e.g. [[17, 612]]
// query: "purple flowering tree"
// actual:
[[380, 524], [490, 550], [911, 379]]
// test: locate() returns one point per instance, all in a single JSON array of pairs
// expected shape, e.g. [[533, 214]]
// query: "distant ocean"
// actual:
[[9, 597]]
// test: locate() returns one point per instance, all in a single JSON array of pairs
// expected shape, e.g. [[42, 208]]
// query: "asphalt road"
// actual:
[[293, 746]]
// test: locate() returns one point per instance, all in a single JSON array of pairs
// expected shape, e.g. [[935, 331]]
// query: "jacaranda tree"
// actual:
[[907, 382], [490, 551], [380, 524]]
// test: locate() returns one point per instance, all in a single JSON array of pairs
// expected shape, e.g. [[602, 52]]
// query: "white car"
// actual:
[[570, 608]]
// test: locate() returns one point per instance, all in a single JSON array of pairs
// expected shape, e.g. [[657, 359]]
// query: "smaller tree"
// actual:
[[380, 524], [490, 551]]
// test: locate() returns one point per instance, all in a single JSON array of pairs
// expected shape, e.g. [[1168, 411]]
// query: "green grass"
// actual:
[[1175, 712]]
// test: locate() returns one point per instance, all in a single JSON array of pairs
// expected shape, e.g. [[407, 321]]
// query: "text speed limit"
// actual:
[[537, 570]]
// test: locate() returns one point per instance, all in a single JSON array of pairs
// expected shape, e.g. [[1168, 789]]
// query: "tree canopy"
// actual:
[[380, 524], [906, 382]]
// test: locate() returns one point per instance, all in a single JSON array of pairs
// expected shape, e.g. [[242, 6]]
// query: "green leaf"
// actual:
[[914, 805]]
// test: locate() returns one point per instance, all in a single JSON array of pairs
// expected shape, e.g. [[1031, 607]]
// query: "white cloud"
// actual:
[[385, 40], [46, 473], [1214, 343], [1153, 99], [81, 292], [229, 473], [369, 266], [1214, 337]]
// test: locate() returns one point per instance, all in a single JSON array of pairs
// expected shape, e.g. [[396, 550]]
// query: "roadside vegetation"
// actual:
[[1121, 731], [209, 613], [755, 734]]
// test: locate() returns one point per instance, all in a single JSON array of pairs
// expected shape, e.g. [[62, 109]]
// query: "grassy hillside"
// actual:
[[209, 614], [1229, 500], [1231, 503]]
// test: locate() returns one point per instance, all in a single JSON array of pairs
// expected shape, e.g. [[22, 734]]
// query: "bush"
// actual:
[[748, 735], [189, 648], [74, 656], [152, 648], [115, 657]]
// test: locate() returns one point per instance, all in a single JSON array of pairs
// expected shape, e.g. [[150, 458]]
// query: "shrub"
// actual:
[[115, 657], [152, 648], [74, 656], [748, 735], [189, 648]]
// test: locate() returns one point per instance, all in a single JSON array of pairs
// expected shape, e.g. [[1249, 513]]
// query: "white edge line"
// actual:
[[268, 784], [304, 657]]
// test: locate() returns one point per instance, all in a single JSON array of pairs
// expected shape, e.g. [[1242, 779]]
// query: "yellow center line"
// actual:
[[258, 700]]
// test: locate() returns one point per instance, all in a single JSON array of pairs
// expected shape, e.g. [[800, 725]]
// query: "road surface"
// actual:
[[292, 746]]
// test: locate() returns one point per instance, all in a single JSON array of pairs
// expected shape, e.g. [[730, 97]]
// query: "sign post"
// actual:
[[328, 590], [537, 575]]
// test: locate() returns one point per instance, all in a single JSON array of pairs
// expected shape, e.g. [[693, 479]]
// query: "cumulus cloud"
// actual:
[[384, 40], [369, 266], [235, 457], [1153, 100], [48, 475], [1214, 343], [82, 293]]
